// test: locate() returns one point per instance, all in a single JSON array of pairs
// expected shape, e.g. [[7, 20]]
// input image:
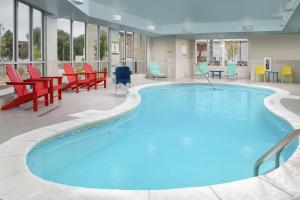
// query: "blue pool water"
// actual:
[[180, 136]]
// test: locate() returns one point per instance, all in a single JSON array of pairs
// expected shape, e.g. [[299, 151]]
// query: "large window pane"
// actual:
[[103, 48], [6, 36], [63, 39], [78, 41], [202, 51], [244, 53], [139, 53], [37, 35], [237, 50], [122, 48], [220, 51], [23, 31], [130, 51], [6, 30], [217, 52]]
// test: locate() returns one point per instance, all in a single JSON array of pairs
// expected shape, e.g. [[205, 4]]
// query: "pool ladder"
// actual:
[[277, 149], [207, 78]]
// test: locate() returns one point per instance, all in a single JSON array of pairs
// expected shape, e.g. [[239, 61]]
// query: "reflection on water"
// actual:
[[180, 136]]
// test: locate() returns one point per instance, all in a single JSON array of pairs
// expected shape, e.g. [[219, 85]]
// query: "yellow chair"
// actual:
[[260, 70], [286, 71]]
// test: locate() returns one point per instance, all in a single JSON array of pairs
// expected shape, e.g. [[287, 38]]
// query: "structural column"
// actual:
[[51, 60]]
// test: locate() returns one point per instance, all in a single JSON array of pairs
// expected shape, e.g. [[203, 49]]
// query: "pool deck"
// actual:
[[16, 182]]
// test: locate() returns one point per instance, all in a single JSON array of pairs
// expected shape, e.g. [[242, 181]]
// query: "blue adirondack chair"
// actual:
[[122, 76]]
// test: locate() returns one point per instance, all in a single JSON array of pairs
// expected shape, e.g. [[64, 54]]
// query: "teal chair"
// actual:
[[231, 71], [203, 70], [155, 71]]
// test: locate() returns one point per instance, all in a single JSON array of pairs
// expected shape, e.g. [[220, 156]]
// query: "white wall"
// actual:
[[283, 49], [51, 47], [167, 51], [162, 50], [91, 42], [184, 60]]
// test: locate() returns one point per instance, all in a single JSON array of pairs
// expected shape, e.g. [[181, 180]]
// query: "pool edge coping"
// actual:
[[16, 149]]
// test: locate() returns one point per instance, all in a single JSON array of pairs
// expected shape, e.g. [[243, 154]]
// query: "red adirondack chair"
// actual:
[[94, 79], [39, 89], [34, 74], [73, 79]]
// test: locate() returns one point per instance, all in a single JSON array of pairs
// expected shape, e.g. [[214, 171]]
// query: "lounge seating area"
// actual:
[[155, 71], [285, 71], [46, 86], [40, 89]]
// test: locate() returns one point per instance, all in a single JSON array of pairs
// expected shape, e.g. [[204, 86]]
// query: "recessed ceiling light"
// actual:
[[151, 28], [117, 17], [78, 2]]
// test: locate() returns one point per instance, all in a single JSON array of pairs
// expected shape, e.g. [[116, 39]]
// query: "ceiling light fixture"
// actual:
[[117, 17], [151, 28], [77, 2]]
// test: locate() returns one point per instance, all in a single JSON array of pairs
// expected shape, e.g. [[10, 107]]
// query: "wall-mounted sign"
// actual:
[[115, 47], [268, 64]]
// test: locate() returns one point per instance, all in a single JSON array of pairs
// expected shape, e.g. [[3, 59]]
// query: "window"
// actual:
[[202, 51], [236, 50], [218, 52], [129, 44], [103, 48], [23, 32], [28, 41], [37, 35], [143, 55], [6, 36], [78, 41], [63, 39], [89, 43], [244, 53], [6, 30], [140, 53], [103, 37]]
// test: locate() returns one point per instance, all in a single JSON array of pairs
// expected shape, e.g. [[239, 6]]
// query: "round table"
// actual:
[[216, 73], [273, 73]]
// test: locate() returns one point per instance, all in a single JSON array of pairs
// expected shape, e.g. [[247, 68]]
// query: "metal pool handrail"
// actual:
[[277, 149], [207, 78]]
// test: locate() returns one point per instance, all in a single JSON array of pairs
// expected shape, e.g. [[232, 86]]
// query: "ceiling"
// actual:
[[199, 11], [184, 17]]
